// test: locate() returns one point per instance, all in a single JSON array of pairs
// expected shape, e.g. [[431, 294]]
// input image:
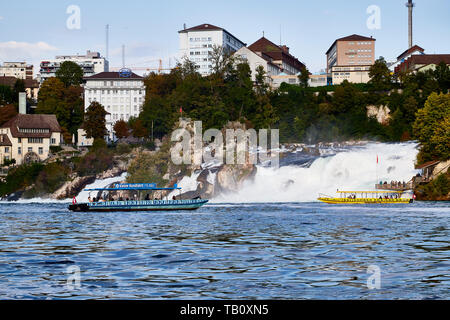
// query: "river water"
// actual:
[[226, 251]]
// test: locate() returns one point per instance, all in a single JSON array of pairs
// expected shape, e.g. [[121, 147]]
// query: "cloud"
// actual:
[[1, 18], [32, 53]]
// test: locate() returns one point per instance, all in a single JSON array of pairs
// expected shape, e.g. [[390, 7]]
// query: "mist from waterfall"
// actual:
[[353, 169]]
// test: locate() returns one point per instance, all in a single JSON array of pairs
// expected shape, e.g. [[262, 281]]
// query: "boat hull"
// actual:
[[146, 205], [364, 201]]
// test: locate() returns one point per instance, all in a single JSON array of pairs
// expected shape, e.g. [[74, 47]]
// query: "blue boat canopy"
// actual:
[[134, 186]]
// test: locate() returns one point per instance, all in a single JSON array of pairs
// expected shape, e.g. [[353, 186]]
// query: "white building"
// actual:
[[122, 96], [254, 60], [354, 74], [19, 70], [91, 63], [197, 42], [315, 80]]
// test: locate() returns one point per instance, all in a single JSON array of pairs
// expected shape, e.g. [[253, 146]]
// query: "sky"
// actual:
[[33, 30]]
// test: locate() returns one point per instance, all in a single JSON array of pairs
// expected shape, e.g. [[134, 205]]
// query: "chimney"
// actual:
[[410, 6], [184, 26], [285, 49], [22, 103]]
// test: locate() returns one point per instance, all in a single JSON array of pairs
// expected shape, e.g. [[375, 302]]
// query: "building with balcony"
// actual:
[[279, 56], [19, 70], [28, 137], [91, 63], [196, 43], [121, 96], [354, 50]]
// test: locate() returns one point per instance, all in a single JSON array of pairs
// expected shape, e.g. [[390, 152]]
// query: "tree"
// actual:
[[431, 127], [121, 129], [222, 60], [95, 122], [70, 73], [303, 77], [52, 88], [442, 76], [19, 86], [6, 95], [139, 131], [380, 75]]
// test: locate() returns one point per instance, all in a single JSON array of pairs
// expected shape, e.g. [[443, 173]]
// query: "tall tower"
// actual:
[[410, 6]]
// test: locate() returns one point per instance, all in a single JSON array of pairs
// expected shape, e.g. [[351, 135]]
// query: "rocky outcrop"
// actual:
[[72, 188], [381, 113]]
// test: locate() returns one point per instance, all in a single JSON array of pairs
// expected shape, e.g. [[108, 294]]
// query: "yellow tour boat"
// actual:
[[368, 197]]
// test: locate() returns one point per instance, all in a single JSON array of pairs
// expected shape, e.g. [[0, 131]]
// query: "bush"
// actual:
[[94, 162], [20, 178], [123, 148], [55, 149]]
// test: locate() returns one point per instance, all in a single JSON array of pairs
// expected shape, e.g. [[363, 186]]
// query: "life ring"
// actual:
[[74, 200]]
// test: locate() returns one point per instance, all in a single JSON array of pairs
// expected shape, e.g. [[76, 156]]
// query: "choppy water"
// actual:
[[251, 251]]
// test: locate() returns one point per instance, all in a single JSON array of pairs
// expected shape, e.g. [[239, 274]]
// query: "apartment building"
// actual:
[[256, 60], [355, 54], [91, 63], [196, 43], [122, 96], [28, 137], [19, 70], [279, 56]]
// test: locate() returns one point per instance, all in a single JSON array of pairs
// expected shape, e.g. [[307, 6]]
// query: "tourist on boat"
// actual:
[[147, 197], [174, 198], [89, 199]]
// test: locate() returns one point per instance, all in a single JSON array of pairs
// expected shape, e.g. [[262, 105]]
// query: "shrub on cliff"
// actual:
[[432, 128], [20, 178]]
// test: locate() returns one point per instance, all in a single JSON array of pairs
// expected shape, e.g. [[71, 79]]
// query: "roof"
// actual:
[[427, 164], [8, 81], [134, 186], [268, 49], [4, 140], [430, 58], [33, 121], [410, 50], [422, 59], [202, 27], [209, 27], [112, 75], [353, 37]]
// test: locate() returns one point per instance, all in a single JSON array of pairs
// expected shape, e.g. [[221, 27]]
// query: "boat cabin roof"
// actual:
[[372, 192], [133, 186]]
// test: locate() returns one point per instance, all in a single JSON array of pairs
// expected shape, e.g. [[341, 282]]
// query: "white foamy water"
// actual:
[[83, 195], [355, 169]]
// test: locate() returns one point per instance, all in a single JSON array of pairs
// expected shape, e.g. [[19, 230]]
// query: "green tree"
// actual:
[[431, 125], [303, 77], [94, 121], [380, 75], [442, 76], [70, 73]]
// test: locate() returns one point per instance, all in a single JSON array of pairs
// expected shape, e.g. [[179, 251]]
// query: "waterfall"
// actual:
[[353, 169], [83, 195]]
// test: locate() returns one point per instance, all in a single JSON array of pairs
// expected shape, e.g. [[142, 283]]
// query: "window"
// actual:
[[19, 150], [53, 141], [6, 149], [35, 140], [41, 150], [30, 149]]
